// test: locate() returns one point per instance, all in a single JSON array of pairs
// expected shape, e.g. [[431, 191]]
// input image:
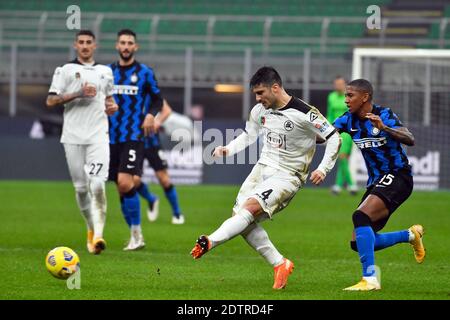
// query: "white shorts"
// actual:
[[86, 161], [272, 188]]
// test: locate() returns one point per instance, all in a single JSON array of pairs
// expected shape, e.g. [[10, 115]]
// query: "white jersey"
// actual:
[[289, 136], [85, 120]]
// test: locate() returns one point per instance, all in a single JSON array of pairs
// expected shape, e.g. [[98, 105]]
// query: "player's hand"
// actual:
[[157, 124], [317, 177], [88, 90], [376, 121], [220, 151], [110, 106], [148, 125]]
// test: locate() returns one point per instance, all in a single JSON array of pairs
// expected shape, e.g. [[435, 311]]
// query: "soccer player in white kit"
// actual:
[[85, 90], [290, 128]]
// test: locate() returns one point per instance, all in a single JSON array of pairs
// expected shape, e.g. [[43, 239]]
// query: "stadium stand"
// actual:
[[278, 32]]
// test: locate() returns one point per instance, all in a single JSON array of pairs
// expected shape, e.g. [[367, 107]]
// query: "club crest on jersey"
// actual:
[[263, 120], [288, 125], [77, 75], [313, 116], [134, 78], [375, 131]]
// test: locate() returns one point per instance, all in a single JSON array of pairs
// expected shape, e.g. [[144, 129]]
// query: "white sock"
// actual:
[[372, 279], [136, 231], [84, 204], [231, 227], [98, 210], [411, 236], [259, 240]]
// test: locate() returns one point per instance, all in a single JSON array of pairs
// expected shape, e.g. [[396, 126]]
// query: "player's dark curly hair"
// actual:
[[266, 76], [362, 85], [127, 32]]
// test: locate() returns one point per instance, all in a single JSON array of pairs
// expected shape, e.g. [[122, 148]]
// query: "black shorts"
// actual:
[[155, 158], [393, 188], [126, 157]]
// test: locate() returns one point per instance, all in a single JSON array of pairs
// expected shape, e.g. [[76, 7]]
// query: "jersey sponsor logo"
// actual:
[[276, 140], [353, 130], [370, 142], [125, 89], [313, 116], [134, 78], [288, 125]]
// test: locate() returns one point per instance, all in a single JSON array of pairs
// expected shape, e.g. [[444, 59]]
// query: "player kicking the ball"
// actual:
[[290, 127]]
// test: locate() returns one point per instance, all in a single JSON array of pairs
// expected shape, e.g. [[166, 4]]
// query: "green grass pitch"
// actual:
[[313, 231]]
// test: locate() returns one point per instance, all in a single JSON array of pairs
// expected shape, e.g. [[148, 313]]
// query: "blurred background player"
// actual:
[[279, 173], [335, 108], [378, 132], [85, 90], [155, 157], [137, 94]]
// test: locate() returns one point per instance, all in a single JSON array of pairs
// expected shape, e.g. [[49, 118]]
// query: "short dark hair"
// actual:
[[127, 32], [266, 76], [362, 85], [85, 33]]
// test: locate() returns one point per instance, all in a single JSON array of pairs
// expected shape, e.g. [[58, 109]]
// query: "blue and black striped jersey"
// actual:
[[136, 92], [381, 152]]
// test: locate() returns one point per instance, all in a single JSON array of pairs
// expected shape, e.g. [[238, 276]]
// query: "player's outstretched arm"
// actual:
[[246, 138], [402, 134], [86, 91], [329, 159]]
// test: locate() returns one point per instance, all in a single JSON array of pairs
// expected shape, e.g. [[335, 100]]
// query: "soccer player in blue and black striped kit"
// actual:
[[139, 99], [379, 134]]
